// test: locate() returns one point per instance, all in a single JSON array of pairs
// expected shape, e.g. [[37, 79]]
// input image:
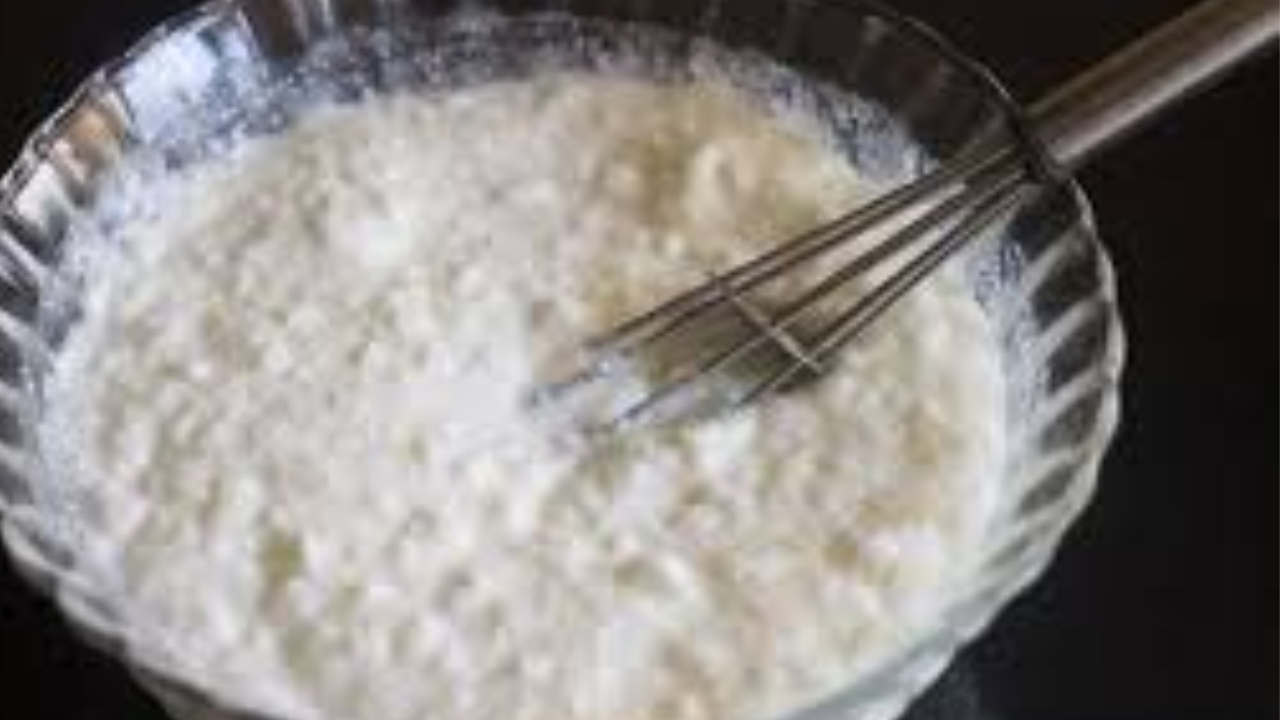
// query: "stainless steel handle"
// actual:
[[1114, 97]]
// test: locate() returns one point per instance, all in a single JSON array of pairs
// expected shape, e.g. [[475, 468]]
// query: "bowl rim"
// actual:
[[171, 686]]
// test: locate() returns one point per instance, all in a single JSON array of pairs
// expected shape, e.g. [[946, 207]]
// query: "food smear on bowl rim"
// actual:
[[299, 389]]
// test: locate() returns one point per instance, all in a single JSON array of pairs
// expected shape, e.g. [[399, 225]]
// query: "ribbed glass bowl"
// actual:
[[244, 67]]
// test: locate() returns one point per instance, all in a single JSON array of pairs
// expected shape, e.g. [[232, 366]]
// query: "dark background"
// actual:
[[1163, 603]]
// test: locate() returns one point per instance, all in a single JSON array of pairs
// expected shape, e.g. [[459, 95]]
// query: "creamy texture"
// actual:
[[300, 395]]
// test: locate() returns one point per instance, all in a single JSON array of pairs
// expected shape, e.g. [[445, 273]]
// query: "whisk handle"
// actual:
[[1123, 91]]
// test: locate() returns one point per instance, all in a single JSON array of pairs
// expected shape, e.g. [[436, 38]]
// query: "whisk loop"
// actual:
[[716, 347]]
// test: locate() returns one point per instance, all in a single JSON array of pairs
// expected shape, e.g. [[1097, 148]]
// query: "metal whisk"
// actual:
[[714, 347]]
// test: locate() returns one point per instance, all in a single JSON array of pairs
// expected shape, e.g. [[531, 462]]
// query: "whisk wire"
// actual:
[[674, 313], [858, 318], [985, 188]]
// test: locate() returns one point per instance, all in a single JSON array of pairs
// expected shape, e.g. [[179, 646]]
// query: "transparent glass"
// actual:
[[236, 67]]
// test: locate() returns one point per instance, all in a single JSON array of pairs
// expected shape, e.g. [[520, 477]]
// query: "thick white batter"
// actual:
[[300, 396]]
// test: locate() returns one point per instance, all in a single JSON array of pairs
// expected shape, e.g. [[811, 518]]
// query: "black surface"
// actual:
[[1163, 604]]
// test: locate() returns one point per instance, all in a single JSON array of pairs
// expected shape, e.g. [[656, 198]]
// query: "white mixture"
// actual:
[[301, 395]]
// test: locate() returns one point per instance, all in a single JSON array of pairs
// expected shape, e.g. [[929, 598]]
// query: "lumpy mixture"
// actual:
[[299, 392]]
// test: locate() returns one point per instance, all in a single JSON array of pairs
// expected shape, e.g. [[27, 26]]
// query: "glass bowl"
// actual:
[[242, 67]]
